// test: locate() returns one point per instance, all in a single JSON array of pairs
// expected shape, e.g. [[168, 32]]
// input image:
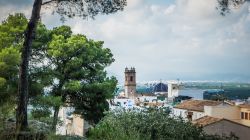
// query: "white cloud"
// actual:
[[169, 10], [6, 10], [187, 39]]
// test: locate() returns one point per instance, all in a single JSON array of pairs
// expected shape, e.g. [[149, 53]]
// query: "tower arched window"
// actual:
[[131, 78]]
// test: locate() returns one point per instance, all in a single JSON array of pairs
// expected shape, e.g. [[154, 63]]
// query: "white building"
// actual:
[[223, 110], [64, 116], [72, 124], [192, 109], [173, 89], [223, 127], [125, 103]]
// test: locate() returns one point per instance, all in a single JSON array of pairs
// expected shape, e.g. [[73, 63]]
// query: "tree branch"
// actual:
[[48, 2]]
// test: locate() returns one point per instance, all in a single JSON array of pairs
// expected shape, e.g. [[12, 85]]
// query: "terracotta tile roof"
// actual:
[[155, 104], [244, 105], [206, 120], [196, 105]]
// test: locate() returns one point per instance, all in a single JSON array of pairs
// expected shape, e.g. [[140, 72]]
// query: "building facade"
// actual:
[[223, 110], [192, 109], [223, 127], [173, 89]]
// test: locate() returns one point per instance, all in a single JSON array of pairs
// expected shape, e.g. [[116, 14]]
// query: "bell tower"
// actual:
[[130, 82]]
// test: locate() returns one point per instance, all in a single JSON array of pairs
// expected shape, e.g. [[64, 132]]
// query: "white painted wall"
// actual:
[[78, 125], [180, 113], [223, 111], [197, 115], [62, 115], [147, 98], [183, 113], [125, 103], [173, 89]]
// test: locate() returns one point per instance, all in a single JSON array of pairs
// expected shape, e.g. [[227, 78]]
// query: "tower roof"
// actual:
[[132, 70]]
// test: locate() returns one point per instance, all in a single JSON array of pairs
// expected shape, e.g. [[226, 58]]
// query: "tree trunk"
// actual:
[[57, 92], [21, 118], [55, 118]]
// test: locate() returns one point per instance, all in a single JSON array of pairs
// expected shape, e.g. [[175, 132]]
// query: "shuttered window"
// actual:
[[242, 115], [246, 115]]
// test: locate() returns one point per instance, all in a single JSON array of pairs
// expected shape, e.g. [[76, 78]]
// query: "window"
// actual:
[[189, 116], [246, 115], [131, 78], [242, 115]]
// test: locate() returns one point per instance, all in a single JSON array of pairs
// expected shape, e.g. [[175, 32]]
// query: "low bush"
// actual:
[[150, 124]]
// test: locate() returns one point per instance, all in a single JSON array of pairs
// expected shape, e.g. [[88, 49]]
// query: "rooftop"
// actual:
[[160, 87], [244, 105], [206, 120], [196, 105]]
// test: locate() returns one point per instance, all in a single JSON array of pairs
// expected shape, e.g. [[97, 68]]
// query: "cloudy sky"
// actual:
[[166, 39]]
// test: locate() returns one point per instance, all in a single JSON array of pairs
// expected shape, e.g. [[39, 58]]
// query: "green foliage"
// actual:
[[9, 61], [91, 102], [12, 31], [11, 38], [42, 106], [63, 137], [2, 82], [225, 6], [143, 125], [65, 31], [62, 65], [78, 65], [87, 9], [152, 124]]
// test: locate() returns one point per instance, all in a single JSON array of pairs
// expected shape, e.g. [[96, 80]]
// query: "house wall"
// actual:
[[226, 127], [183, 113], [78, 125], [245, 110], [180, 112], [197, 115], [173, 89], [61, 129], [63, 113], [223, 111], [147, 98], [125, 103]]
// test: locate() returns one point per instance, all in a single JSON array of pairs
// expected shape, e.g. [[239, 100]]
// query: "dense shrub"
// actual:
[[143, 125], [152, 124]]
